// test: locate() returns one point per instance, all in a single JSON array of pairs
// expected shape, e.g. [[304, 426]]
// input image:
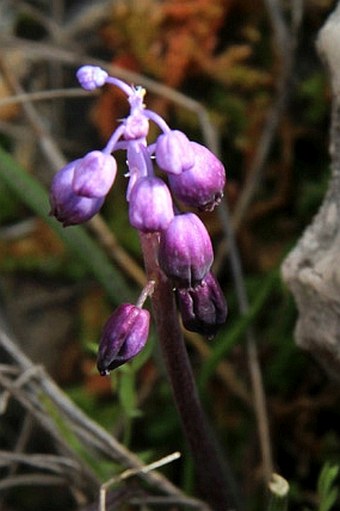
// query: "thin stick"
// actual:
[[253, 360], [50, 52], [44, 95], [32, 480], [96, 435], [52, 462], [132, 472]]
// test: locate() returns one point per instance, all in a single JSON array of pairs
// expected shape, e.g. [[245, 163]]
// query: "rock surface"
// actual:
[[312, 269]]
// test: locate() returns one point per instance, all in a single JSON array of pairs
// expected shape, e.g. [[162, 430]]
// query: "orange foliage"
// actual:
[[171, 41]]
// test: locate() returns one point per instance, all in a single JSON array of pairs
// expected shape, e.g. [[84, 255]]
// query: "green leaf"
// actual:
[[326, 491], [127, 391], [30, 192]]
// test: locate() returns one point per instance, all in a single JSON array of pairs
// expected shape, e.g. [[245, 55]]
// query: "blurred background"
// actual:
[[242, 77]]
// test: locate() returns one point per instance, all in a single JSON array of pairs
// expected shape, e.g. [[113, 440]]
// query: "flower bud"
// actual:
[[203, 307], [185, 251], [150, 207], [124, 336], [136, 126], [66, 206], [91, 77], [202, 184], [94, 174], [174, 153]]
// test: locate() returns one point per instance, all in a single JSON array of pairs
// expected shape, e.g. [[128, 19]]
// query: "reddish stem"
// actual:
[[210, 472]]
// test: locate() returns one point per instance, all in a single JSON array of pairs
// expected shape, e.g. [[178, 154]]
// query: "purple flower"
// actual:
[[94, 174], [66, 206], [124, 336], [203, 307], [174, 153], [150, 207], [201, 185], [185, 251], [91, 77]]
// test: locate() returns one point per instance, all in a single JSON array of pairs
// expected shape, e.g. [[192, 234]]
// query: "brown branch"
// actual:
[[95, 435], [44, 95], [49, 52], [32, 480]]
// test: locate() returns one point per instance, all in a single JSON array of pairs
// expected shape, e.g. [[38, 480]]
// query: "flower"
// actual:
[[91, 77], [68, 207], [185, 251], [203, 307], [124, 336], [174, 153], [94, 174], [150, 207], [202, 184]]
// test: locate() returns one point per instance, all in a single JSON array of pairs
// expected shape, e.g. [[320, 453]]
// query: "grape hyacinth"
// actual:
[[195, 176], [177, 250]]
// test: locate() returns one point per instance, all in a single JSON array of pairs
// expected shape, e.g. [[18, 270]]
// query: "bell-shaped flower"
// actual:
[[202, 184], [94, 174], [91, 77], [185, 251], [68, 207], [174, 153], [124, 336], [203, 307], [150, 206]]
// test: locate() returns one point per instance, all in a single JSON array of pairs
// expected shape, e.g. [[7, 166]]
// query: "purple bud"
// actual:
[[150, 207], [174, 153], [136, 126], [124, 336], [66, 206], [185, 252], [91, 77], [203, 307], [94, 174], [202, 185]]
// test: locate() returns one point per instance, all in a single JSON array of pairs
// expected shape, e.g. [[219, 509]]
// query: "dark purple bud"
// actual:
[[174, 153], [94, 174], [66, 206], [203, 307], [124, 336], [185, 251], [202, 185], [91, 77], [150, 207]]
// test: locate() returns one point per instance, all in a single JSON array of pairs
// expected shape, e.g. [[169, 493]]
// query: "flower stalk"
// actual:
[[211, 477], [177, 250]]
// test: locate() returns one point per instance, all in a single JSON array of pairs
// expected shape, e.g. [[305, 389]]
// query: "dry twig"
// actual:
[[89, 432]]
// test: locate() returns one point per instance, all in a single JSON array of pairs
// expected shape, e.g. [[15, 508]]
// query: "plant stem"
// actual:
[[210, 470]]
